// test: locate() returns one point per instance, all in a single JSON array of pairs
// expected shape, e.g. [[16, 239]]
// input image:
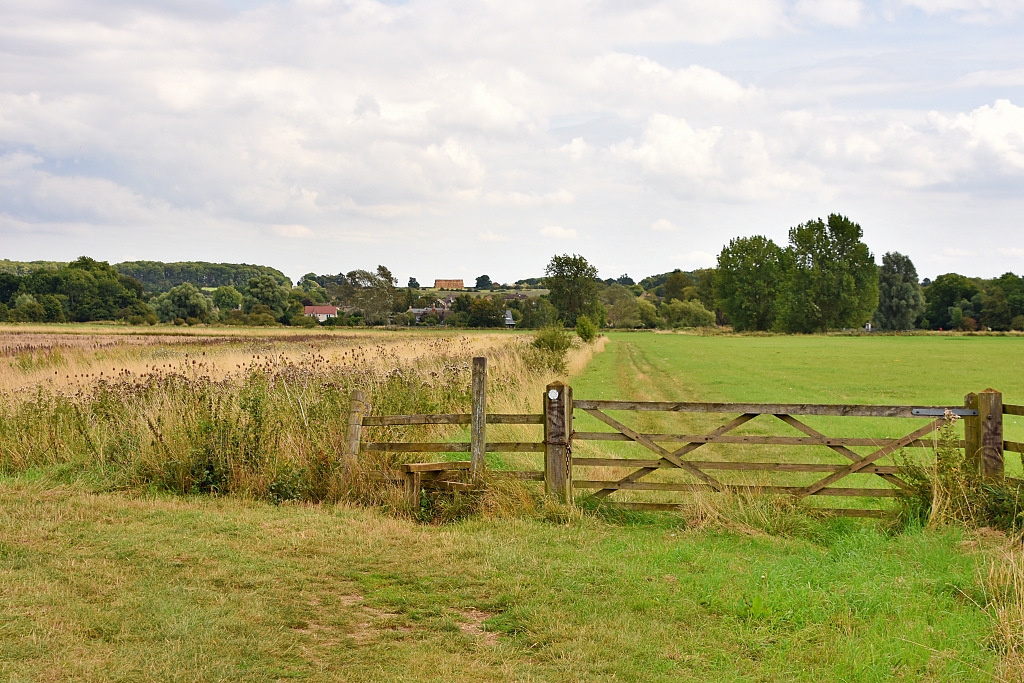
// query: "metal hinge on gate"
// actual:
[[939, 412]]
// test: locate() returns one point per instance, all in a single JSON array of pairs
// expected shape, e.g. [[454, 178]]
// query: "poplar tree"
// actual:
[[900, 299]]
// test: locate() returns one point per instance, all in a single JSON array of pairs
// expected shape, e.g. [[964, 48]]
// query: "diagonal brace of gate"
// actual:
[[842, 450], [855, 467], [673, 457]]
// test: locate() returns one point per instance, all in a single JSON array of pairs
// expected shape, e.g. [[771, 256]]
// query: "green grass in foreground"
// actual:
[[114, 587]]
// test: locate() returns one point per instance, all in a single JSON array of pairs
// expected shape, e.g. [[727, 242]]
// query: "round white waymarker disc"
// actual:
[[553, 394]]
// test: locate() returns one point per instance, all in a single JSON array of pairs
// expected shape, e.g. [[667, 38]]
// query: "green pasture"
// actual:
[[889, 370]]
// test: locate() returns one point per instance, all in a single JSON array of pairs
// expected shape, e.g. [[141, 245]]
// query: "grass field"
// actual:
[[143, 585], [925, 370]]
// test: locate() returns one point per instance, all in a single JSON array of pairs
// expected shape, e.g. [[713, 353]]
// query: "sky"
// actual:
[[453, 138]]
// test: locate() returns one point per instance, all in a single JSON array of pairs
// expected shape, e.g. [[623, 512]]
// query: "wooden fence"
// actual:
[[983, 439]]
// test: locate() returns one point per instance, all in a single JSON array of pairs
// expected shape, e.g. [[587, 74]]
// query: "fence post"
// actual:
[[355, 429], [478, 429], [557, 435], [972, 433], [990, 414]]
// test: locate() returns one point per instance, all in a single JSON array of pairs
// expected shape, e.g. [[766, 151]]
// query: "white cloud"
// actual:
[[833, 12], [998, 129], [293, 231], [971, 11], [558, 233], [226, 134], [663, 225]]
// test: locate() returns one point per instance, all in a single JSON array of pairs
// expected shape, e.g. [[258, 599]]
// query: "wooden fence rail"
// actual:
[[983, 443]]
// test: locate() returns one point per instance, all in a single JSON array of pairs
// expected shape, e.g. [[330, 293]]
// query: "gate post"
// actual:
[[478, 426], [355, 429], [557, 436], [990, 416], [972, 433]]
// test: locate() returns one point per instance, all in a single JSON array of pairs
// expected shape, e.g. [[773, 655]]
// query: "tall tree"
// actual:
[[623, 311], [834, 279], [183, 301], [944, 294], [573, 285], [374, 293], [749, 280], [484, 282], [265, 290], [900, 299], [676, 286]]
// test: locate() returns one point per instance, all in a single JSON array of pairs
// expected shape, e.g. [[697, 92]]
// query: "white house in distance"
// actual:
[[322, 313]]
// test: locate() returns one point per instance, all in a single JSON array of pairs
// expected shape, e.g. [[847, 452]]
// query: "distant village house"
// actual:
[[449, 284], [322, 313]]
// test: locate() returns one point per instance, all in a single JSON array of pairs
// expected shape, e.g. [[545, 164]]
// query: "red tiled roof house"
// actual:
[[322, 313]]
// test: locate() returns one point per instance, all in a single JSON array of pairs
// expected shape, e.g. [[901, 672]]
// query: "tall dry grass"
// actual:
[[254, 417]]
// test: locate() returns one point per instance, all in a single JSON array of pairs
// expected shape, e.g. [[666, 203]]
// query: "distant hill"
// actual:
[[20, 268], [160, 277]]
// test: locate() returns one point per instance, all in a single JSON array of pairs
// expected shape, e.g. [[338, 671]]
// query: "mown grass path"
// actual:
[[109, 587]]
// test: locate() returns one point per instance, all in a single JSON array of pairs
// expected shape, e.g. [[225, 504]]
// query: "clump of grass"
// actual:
[[952, 491], [1003, 581], [749, 513]]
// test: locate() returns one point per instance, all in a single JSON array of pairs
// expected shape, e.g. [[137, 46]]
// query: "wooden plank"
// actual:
[[413, 489], [478, 426], [733, 465], [780, 490], [1012, 410], [688, 448], [667, 455], [1013, 446], [448, 447], [450, 419], [444, 485], [524, 475], [864, 462], [514, 419], [841, 450], [673, 507], [761, 408], [749, 439], [436, 466]]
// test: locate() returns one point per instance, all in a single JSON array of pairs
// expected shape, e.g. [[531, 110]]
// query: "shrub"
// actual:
[[952, 490], [552, 344], [553, 338], [586, 330], [687, 314]]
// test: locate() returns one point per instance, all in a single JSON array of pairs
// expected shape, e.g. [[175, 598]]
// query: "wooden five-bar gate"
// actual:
[[983, 440]]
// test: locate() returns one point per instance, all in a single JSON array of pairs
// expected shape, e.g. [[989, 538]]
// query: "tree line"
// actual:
[[824, 278]]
